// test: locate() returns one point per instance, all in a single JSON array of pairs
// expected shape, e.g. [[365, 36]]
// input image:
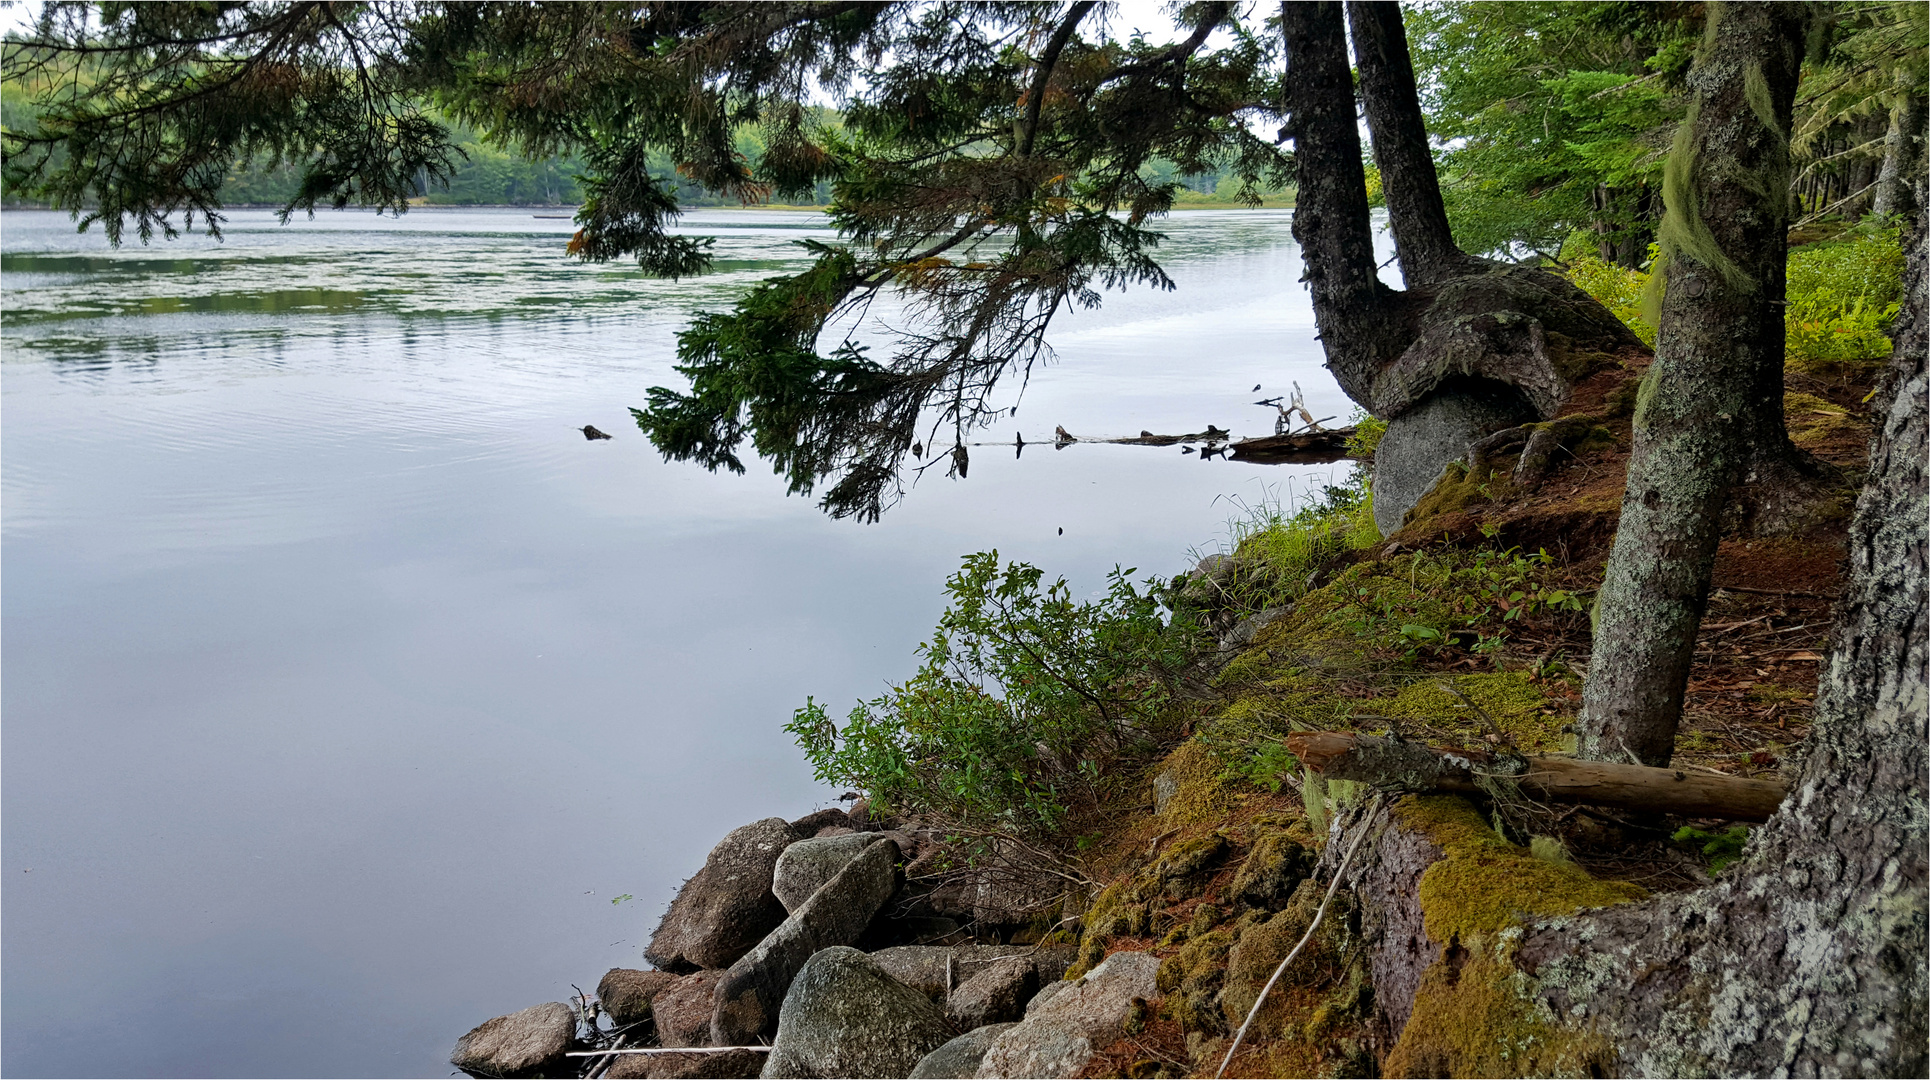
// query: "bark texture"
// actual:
[[1902, 159], [1710, 413], [1808, 958], [1389, 96]]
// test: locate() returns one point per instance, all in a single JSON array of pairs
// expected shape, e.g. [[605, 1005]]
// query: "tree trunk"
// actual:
[[1422, 238], [1330, 219], [1474, 346], [1902, 159], [1705, 407]]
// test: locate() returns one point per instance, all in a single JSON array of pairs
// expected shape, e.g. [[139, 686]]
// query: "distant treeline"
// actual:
[[490, 175]]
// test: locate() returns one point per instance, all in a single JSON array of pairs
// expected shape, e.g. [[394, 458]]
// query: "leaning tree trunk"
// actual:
[[1409, 183], [1705, 405], [1330, 219]]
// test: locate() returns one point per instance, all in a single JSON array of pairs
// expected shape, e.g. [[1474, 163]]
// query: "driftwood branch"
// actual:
[[1392, 764]]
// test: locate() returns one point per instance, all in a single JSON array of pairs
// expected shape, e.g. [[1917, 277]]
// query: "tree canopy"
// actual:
[[990, 164]]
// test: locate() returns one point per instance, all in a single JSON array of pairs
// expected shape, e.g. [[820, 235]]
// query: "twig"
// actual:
[[668, 1050], [1339, 873], [1776, 592]]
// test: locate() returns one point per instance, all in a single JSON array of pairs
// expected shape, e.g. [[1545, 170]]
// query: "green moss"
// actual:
[[1204, 795], [1264, 942], [1182, 872], [1755, 91], [1480, 1017], [1478, 1020], [1485, 884], [1620, 402], [1813, 422], [1510, 700], [1457, 489], [1797, 404]]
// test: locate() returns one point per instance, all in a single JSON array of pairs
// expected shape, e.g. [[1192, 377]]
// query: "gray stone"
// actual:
[[728, 907], [683, 1011], [723, 1065], [808, 864], [996, 994], [924, 967], [625, 994], [1165, 786], [752, 990], [1421, 442], [1058, 1037], [1246, 629], [527, 1043], [959, 1058], [1046, 993], [843, 1016], [818, 820]]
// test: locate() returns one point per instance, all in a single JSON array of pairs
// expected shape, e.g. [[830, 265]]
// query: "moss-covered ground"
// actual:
[[1470, 627]]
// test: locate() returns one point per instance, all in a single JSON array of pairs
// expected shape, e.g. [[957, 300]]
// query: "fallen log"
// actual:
[[1308, 447], [1395, 764]]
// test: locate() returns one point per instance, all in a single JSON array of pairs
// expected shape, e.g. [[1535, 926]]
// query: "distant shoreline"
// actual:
[[538, 208]]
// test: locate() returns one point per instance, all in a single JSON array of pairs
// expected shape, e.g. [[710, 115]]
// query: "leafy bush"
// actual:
[[1618, 288], [1842, 295], [1024, 706]]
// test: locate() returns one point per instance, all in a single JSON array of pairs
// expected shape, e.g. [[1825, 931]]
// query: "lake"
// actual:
[[351, 697]]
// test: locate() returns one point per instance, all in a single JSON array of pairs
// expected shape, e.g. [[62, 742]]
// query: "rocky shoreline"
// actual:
[[832, 946]]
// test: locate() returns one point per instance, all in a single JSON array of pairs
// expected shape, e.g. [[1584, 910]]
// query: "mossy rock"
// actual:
[[1185, 868], [1458, 489], [1205, 918], [1264, 943], [1471, 1020], [1201, 795], [1274, 868], [1191, 978]]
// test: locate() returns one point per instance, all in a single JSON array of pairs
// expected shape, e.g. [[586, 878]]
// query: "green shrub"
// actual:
[[1618, 288], [1024, 707], [1842, 295]]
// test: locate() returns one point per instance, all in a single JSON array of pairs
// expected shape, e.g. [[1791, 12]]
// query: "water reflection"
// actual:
[[346, 684]]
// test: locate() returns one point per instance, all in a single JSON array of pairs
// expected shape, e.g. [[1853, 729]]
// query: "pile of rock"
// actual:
[[786, 942]]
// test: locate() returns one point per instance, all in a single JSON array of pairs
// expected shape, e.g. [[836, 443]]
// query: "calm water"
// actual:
[[346, 685]]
